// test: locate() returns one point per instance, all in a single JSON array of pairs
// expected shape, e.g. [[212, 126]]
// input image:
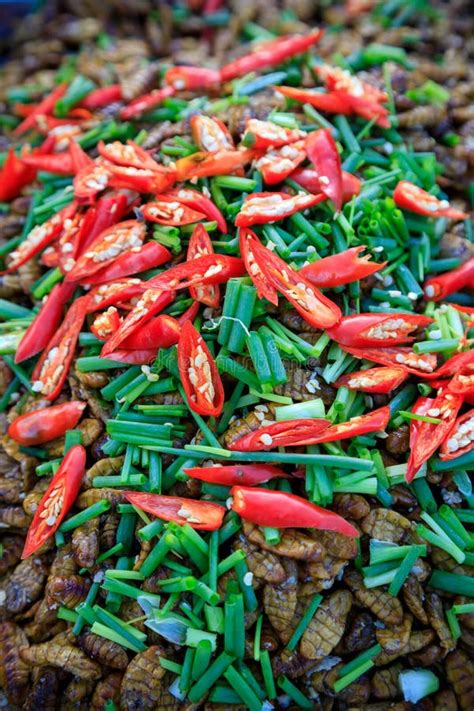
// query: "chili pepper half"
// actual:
[[143, 180], [265, 290], [315, 308], [309, 180], [461, 438], [57, 500], [45, 107], [210, 269], [106, 324], [59, 163], [426, 437], [342, 268], [454, 365], [265, 134], [244, 474], [43, 327], [280, 434], [45, 425], [369, 329], [279, 163], [421, 365], [199, 375], [52, 368], [323, 154], [260, 208], [268, 54], [143, 356], [150, 255], [90, 181], [14, 175], [442, 285], [170, 212], [280, 509], [129, 155], [201, 515], [211, 134], [411, 197], [197, 201], [104, 96], [200, 245], [188, 78], [146, 102], [160, 332], [206, 164], [374, 380]]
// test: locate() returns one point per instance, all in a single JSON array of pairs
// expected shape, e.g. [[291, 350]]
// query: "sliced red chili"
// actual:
[[268, 54], [200, 245], [99, 98], [323, 154], [201, 515], [197, 201], [118, 291], [143, 180], [308, 178], [160, 332], [106, 247], [41, 426], [14, 175], [265, 134], [206, 164], [43, 327], [369, 329], [426, 437], [342, 268], [68, 242], [461, 437], [374, 380], [211, 134], [106, 324], [57, 500], [265, 290], [417, 364], [260, 208], [107, 211], [59, 163], [188, 78], [45, 107], [150, 255], [334, 103], [129, 154], [133, 357], [79, 157], [315, 308], [411, 197], [442, 285], [454, 365], [170, 212], [280, 509], [146, 102], [211, 269], [199, 375], [52, 368], [244, 474], [90, 181], [279, 163], [280, 434]]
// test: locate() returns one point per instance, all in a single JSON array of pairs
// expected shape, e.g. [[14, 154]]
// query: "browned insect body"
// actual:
[[138, 79], [293, 543], [25, 585], [76, 692], [351, 506], [164, 130], [142, 682], [104, 467], [386, 607], [418, 640], [336, 544], [443, 560], [64, 656], [279, 601], [11, 490], [107, 689], [262, 415], [93, 379], [68, 591], [460, 674], [397, 441], [103, 651], [393, 640], [445, 700], [356, 693], [90, 429], [385, 682], [414, 597], [32, 499], [388, 525], [422, 116], [325, 570], [305, 384], [108, 531], [437, 619], [92, 496], [360, 634], [426, 657], [85, 543], [12, 547], [327, 626], [262, 564], [44, 692], [14, 673]]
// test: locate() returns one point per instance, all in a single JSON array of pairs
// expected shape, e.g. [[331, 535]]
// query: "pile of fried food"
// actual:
[[212, 497]]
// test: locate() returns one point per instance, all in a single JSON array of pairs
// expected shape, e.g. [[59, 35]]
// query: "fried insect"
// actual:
[[25, 585], [14, 673], [262, 415], [384, 606], [108, 530], [293, 543], [76, 691], [327, 626], [437, 619], [305, 384], [92, 496], [279, 601], [418, 640], [32, 499], [14, 517], [68, 591], [11, 490], [460, 673], [90, 429], [414, 597], [360, 634], [262, 564], [85, 543], [356, 693], [351, 506], [12, 547], [393, 640], [388, 525], [108, 689], [64, 656], [44, 692], [385, 682], [142, 682], [102, 650]]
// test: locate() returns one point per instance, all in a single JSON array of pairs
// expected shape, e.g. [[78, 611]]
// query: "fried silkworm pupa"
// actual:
[[85, 543], [68, 591], [142, 682], [14, 673], [25, 585], [44, 692], [104, 651], [64, 656], [107, 689]]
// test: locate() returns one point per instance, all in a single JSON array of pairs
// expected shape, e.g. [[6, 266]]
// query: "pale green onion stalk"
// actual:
[[417, 683], [301, 410]]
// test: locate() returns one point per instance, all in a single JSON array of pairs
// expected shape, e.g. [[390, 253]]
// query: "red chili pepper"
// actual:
[[442, 285], [211, 134], [454, 365], [57, 500], [160, 332], [206, 164], [211, 269], [269, 53], [14, 175], [279, 434], [79, 157], [247, 242], [426, 437], [53, 366], [129, 154], [280, 509], [44, 326], [90, 181], [106, 323], [333, 103], [309, 180], [39, 238], [59, 163], [411, 197], [314, 307], [261, 135], [41, 426], [323, 154], [45, 107], [189, 78], [375, 380], [463, 381], [149, 256], [200, 245], [244, 474], [342, 268], [107, 211], [99, 98], [108, 294], [143, 180], [151, 303], [260, 208], [136, 357], [106, 247], [197, 201], [67, 245], [421, 365], [199, 375], [363, 330], [146, 102], [460, 439], [170, 212], [201, 515], [278, 164]]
